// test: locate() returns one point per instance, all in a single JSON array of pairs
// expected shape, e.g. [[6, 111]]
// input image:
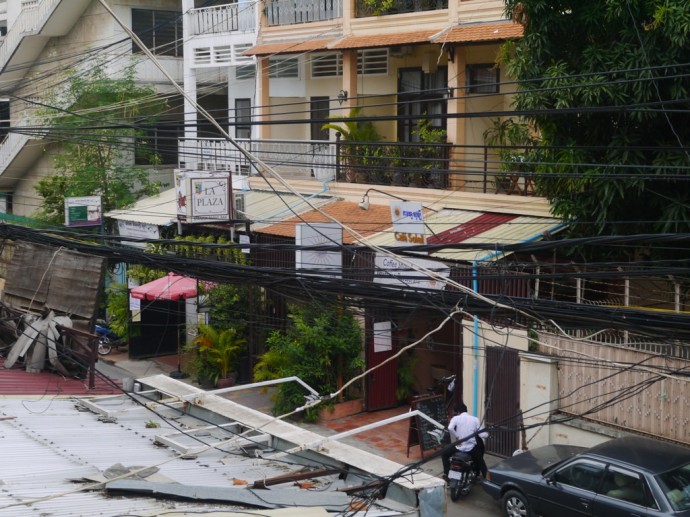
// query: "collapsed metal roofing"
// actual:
[[174, 446]]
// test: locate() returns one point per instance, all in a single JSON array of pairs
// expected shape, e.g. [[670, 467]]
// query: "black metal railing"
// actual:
[[366, 8]]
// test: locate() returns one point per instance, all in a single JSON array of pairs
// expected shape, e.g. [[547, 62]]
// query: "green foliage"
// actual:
[[354, 129], [406, 377], [215, 352], [609, 66], [117, 308], [95, 135], [322, 346]]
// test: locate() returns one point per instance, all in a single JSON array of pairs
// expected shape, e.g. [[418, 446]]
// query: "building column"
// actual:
[[456, 125], [350, 78], [263, 109]]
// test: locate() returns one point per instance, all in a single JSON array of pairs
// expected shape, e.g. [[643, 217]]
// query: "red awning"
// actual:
[[169, 288]]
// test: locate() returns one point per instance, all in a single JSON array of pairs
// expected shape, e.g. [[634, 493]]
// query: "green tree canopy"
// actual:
[[605, 82], [98, 134]]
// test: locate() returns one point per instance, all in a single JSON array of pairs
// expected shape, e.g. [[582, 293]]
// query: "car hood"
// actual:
[[536, 460]]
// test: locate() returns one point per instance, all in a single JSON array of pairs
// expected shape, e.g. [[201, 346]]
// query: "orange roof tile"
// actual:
[[382, 40], [366, 222], [470, 33], [289, 47]]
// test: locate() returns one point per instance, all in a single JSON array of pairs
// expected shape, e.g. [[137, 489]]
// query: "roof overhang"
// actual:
[[383, 40], [290, 47], [480, 32]]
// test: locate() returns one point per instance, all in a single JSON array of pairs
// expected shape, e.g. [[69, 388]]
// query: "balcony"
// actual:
[[222, 19], [438, 166], [366, 8], [289, 12]]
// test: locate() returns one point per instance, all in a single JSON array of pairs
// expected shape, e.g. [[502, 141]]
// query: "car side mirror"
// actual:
[[550, 479]]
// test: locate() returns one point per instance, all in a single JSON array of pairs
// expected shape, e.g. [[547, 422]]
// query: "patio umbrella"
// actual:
[[171, 287]]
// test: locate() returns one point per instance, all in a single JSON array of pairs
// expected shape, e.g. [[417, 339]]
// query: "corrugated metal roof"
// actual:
[[457, 226], [159, 210], [58, 449], [262, 207], [265, 208]]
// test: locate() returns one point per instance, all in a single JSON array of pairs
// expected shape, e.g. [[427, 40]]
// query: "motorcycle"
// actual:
[[461, 475], [107, 339]]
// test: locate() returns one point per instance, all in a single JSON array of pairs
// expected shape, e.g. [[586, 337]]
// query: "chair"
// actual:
[[627, 488]]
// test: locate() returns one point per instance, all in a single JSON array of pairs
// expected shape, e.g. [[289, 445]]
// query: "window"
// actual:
[[582, 474], [420, 96], [372, 61], [326, 65], [283, 68], [245, 72], [243, 118], [161, 140], [483, 78], [627, 486], [160, 31]]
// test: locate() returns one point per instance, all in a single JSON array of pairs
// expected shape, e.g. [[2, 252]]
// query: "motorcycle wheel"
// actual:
[[105, 346], [455, 489]]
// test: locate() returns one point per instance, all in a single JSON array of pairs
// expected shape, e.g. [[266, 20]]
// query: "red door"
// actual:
[[383, 381]]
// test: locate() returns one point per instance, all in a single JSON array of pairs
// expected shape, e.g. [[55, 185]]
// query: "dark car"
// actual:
[[630, 477]]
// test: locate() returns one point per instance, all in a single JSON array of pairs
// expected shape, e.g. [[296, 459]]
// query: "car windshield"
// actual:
[[676, 485]]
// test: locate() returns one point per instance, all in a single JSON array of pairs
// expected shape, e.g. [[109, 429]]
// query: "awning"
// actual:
[[289, 47], [171, 287], [480, 32], [474, 227], [383, 40]]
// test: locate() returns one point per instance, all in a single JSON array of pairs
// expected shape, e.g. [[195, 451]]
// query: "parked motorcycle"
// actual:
[[107, 339], [461, 475]]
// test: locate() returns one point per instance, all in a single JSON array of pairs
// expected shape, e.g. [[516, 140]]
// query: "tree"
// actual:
[[322, 346], [605, 84], [98, 135]]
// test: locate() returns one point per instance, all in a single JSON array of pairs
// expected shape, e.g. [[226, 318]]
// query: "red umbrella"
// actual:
[[169, 288]]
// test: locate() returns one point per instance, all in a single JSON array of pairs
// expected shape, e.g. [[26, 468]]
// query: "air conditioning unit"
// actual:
[[400, 50], [239, 200]]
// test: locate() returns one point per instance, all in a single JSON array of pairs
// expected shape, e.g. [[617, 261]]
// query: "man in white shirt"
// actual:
[[465, 427]]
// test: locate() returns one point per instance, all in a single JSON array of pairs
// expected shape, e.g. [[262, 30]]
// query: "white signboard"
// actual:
[[83, 211], [137, 231], [383, 340], [204, 197], [244, 239], [315, 234], [408, 223], [393, 271]]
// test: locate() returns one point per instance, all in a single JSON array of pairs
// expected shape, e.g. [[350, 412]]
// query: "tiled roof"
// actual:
[[365, 222], [382, 40], [477, 32], [289, 47]]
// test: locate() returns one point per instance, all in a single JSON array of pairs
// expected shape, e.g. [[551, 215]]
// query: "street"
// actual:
[[476, 504]]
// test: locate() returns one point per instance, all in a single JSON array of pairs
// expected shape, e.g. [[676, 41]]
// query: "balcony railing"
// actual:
[[223, 19], [370, 8], [288, 12], [440, 166]]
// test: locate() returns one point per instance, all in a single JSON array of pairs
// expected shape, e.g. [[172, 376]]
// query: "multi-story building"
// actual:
[[398, 62], [41, 40]]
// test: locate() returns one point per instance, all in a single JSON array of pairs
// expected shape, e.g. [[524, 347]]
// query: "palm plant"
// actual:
[[217, 352]]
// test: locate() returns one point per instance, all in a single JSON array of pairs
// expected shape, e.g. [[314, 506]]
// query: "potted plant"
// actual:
[[406, 378], [431, 158], [357, 154], [216, 355]]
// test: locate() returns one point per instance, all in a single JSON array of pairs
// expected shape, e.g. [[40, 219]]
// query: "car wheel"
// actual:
[[515, 504]]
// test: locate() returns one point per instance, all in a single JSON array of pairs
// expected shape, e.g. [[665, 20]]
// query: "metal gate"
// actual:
[[502, 400]]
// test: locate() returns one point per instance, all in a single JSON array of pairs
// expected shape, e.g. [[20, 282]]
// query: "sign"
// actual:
[[393, 271], [408, 223], [83, 211], [138, 231], [434, 407], [326, 263], [383, 339], [204, 197]]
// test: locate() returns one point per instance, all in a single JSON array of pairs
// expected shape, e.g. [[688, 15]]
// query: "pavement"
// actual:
[[389, 441]]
